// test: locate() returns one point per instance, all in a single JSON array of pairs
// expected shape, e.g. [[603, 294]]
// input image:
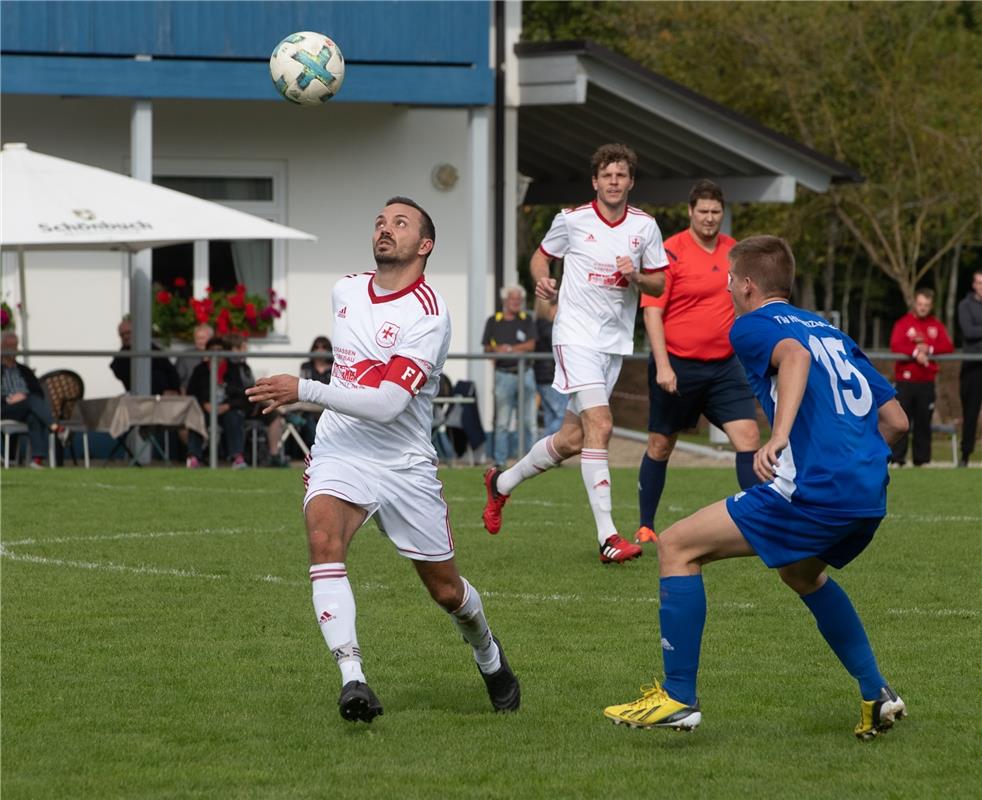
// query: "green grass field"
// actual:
[[158, 641]]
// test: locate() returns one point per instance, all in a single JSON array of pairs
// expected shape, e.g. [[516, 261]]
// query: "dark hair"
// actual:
[[767, 261], [427, 229], [610, 153], [924, 291], [320, 343], [705, 190], [216, 342], [234, 340]]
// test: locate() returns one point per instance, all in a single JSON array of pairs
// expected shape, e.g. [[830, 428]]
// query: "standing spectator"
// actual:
[[511, 330], [185, 364], [316, 369], [917, 335], [970, 378], [23, 400], [692, 369], [163, 375], [611, 251], [553, 402]]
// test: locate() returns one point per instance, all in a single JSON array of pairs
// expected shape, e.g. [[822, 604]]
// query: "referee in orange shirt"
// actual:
[[692, 369]]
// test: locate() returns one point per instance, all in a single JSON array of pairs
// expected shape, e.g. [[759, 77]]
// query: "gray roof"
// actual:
[[574, 96]]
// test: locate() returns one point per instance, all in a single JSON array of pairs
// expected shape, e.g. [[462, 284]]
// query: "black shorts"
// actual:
[[718, 389]]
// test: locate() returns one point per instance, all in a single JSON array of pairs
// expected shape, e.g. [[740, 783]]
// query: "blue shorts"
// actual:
[[718, 389], [782, 533]]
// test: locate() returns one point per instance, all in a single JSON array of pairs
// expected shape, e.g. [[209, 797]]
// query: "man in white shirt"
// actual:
[[372, 454], [611, 251]]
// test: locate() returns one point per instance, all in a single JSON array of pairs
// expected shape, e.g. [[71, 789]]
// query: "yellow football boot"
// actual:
[[877, 716], [655, 709]]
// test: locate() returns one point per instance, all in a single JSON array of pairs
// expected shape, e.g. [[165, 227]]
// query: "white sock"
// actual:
[[470, 621], [596, 479], [541, 457], [334, 606]]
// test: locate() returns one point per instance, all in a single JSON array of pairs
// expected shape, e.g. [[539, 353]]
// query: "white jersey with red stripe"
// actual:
[[402, 336], [597, 305]]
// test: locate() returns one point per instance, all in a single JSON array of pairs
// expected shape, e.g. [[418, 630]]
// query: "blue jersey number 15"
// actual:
[[831, 354]]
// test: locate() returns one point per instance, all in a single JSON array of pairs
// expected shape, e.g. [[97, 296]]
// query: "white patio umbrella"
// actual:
[[49, 203]]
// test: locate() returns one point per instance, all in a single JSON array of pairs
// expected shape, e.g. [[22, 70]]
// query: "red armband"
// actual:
[[405, 373]]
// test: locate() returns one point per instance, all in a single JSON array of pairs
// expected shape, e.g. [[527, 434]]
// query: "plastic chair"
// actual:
[[64, 389]]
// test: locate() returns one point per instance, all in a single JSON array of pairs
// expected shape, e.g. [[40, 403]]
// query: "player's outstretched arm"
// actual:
[[792, 362], [893, 422]]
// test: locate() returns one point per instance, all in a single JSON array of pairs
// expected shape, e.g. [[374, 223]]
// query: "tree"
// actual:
[[894, 89]]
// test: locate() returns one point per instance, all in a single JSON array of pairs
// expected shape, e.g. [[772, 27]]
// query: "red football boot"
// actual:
[[617, 549], [496, 501]]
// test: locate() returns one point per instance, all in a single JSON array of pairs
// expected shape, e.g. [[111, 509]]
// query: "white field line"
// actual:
[[532, 597], [933, 612]]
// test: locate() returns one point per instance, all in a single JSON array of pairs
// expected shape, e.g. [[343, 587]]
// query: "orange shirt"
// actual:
[[698, 310]]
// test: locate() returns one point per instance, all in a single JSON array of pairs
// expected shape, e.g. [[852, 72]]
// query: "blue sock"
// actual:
[[651, 482], [839, 623], [746, 476], [683, 616]]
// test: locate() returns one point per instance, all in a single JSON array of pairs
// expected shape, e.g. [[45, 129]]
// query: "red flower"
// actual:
[[240, 289], [282, 303], [179, 282], [164, 297], [207, 290], [236, 300], [250, 311]]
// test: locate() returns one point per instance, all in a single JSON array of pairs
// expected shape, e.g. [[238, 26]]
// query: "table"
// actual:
[[119, 415]]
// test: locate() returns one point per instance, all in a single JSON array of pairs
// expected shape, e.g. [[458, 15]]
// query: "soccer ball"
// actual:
[[307, 68]]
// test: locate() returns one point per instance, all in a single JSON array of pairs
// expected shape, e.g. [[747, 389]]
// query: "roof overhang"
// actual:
[[574, 96]]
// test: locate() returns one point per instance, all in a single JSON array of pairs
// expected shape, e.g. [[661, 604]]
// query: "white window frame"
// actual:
[[273, 210]]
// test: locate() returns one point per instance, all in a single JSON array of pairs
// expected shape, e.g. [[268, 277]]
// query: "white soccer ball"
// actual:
[[307, 68]]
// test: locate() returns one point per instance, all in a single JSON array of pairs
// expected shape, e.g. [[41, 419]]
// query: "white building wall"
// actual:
[[341, 163]]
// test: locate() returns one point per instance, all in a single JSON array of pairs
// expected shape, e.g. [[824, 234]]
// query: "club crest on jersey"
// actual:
[[385, 336], [635, 242]]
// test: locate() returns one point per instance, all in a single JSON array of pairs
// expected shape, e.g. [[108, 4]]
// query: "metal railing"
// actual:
[[523, 360]]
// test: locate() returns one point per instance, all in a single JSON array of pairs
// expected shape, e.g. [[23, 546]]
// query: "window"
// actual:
[[253, 187]]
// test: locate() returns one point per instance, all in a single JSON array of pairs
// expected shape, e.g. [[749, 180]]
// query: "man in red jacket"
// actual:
[[918, 335]]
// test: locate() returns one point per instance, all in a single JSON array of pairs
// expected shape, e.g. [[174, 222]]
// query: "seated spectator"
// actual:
[[231, 419], [316, 369], [23, 400], [185, 364], [238, 378], [163, 375]]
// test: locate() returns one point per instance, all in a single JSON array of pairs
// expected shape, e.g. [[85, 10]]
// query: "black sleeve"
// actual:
[[121, 369], [33, 384], [486, 338]]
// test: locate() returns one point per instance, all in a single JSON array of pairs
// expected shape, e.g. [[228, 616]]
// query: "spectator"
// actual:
[[163, 375], [23, 400], [511, 330], [185, 364], [551, 400], [231, 420], [970, 378], [316, 369], [917, 335], [238, 378]]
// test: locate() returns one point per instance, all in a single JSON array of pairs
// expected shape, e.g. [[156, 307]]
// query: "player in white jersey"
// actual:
[[372, 455], [611, 251]]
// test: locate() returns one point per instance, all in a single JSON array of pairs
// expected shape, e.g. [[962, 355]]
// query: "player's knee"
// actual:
[[801, 583], [447, 594], [601, 427], [326, 545], [660, 447]]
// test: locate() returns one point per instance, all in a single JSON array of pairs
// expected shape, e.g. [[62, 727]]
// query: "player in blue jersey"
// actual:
[[824, 493]]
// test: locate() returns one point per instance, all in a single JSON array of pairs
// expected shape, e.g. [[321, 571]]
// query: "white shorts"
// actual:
[[579, 368], [408, 504]]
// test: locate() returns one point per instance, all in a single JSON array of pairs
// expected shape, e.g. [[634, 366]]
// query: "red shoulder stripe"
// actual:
[[424, 300], [432, 295]]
